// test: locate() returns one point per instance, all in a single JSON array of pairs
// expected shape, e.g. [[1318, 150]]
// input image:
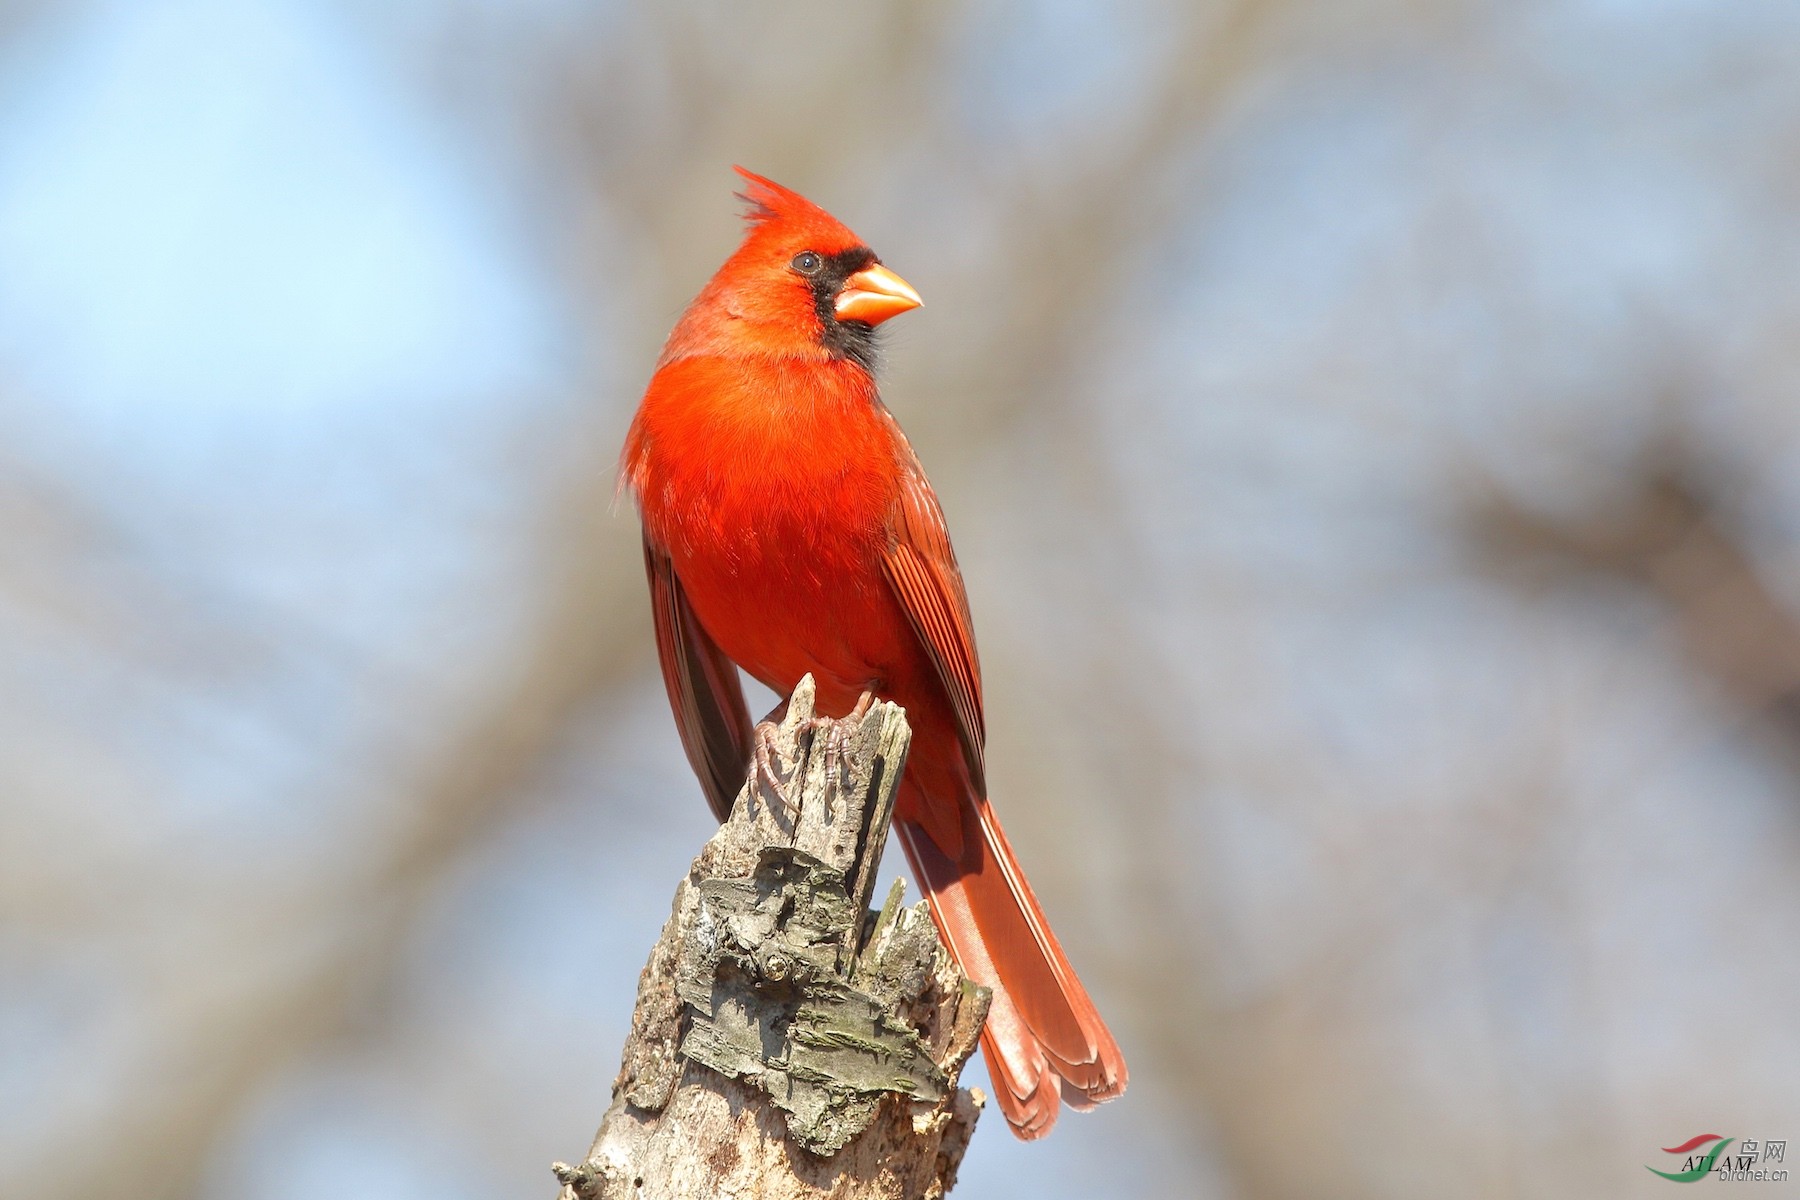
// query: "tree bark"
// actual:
[[787, 1042]]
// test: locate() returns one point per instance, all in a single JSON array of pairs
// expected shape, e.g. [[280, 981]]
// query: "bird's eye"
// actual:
[[807, 263]]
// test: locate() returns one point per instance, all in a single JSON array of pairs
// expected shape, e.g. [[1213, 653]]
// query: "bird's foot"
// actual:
[[838, 730], [836, 748]]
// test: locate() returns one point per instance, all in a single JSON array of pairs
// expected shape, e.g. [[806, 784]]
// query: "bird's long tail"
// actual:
[[1043, 1040]]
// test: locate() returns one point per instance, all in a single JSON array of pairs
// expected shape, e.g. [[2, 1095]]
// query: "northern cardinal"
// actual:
[[789, 528]]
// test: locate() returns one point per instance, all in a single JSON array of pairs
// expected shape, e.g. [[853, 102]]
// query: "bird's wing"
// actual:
[[921, 568], [703, 685]]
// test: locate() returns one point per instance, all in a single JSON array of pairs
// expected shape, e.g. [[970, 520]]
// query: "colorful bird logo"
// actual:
[[1696, 1170]]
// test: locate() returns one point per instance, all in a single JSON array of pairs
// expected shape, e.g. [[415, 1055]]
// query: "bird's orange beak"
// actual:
[[874, 294]]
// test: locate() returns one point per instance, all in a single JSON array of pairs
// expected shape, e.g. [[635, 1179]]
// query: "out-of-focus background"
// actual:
[[1370, 431]]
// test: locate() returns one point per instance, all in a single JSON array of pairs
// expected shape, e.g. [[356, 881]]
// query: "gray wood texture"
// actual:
[[787, 1042]]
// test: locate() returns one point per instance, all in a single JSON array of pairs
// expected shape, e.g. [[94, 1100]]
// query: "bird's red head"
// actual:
[[801, 284]]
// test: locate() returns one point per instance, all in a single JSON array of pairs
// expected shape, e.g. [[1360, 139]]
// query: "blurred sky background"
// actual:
[[1372, 437]]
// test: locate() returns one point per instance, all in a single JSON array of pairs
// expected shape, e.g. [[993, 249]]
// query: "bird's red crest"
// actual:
[[769, 205]]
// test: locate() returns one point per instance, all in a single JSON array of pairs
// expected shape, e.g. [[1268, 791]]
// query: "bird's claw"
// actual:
[[837, 733], [765, 735]]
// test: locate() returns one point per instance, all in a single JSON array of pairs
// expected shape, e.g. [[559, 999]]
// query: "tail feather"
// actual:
[[1044, 1041]]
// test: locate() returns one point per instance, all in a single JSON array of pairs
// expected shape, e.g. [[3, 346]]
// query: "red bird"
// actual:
[[788, 529]]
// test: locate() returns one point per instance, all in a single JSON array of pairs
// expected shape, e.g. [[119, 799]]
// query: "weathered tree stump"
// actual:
[[788, 1043]]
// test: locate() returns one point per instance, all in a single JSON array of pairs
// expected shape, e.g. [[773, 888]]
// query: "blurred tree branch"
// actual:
[[1665, 534]]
